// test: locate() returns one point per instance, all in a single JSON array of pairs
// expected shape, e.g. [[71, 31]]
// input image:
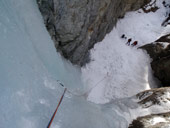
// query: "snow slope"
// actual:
[[125, 69]]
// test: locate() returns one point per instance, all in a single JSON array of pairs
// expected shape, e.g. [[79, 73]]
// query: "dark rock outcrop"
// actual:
[[151, 7], [76, 25], [159, 51], [154, 98], [163, 121]]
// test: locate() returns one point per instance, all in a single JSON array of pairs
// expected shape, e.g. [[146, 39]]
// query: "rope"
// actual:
[[88, 91], [52, 118], [65, 89], [95, 85]]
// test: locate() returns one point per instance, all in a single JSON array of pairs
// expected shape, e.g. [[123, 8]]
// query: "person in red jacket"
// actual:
[[134, 43]]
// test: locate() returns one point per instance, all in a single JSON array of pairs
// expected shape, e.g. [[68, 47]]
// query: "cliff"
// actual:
[[156, 102], [159, 51], [75, 26]]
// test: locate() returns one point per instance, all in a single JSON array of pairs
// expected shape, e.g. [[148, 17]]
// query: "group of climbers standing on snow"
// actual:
[[129, 41]]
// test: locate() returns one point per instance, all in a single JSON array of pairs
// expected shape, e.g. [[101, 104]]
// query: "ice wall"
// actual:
[[29, 70], [29, 67]]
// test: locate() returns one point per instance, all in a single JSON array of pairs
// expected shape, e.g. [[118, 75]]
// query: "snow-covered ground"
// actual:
[[117, 70]]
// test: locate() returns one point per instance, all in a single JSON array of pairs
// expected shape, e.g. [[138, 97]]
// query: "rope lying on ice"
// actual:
[[85, 94], [52, 118], [65, 89]]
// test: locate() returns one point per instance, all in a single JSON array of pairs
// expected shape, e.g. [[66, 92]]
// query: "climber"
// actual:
[[164, 3], [123, 36], [134, 43], [128, 42]]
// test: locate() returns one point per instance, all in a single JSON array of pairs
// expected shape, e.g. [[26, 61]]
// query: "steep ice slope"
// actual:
[[126, 70], [29, 67], [29, 70]]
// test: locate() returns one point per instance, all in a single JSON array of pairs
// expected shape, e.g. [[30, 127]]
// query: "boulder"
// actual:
[[159, 51], [156, 102], [161, 120]]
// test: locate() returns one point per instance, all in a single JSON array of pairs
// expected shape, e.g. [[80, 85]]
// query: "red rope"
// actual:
[[52, 118]]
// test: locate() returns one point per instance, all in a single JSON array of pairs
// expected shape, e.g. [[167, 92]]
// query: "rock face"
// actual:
[[76, 25], [152, 121], [159, 51], [157, 100], [153, 97]]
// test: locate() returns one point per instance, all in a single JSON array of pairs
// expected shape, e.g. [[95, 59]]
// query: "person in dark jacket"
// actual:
[[128, 42], [123, 36], [164, 3]]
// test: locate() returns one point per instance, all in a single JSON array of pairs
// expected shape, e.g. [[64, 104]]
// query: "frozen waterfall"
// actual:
[[29, 72]]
